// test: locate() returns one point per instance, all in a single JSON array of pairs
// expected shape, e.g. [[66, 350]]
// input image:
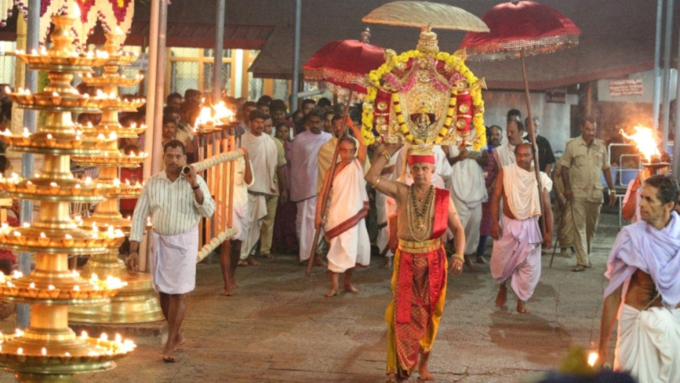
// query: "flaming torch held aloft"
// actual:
[[648, 145]]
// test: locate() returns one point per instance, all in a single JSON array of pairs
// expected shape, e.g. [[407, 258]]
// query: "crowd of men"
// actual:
[[428, 204]]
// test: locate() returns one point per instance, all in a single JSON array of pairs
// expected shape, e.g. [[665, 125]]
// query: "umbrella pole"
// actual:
[[328, 186], [534, 147]]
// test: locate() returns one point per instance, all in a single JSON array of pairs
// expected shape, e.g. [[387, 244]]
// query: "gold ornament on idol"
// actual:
[[423, 221]]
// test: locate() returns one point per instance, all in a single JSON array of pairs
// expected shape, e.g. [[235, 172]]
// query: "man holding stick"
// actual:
[[346, 230], [419, 279], [517, 246]]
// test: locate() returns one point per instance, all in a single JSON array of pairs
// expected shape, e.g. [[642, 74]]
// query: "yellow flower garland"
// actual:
[[453, 61]]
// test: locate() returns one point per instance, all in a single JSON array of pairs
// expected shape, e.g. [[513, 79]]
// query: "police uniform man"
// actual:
[[585, 157]]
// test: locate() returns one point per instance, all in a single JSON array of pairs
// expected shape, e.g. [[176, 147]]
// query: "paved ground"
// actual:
[[279, 328]]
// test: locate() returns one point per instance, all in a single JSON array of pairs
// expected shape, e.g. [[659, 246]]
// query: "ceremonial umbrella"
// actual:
[[345, 63], [519, 29], [341, 64]]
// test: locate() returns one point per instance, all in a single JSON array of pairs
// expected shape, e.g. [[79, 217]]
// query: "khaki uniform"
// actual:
[[267, 228], [562, 211], [585, 166]]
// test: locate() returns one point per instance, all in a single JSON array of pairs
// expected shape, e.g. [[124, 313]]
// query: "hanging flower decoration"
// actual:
[[447, 76]]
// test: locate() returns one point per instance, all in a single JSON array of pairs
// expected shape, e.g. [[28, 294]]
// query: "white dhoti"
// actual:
[[257, 210], [647, 345], [304, 225], [240, 222], [345, 224], [173, 262], [518, 255], [468, 191], [470, 219]]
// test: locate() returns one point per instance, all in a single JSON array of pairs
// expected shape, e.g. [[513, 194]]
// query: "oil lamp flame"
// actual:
[[592, 358], [645, 141]]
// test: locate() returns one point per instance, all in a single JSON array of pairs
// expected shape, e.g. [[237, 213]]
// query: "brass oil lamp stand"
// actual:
[[48, 350], [137, 301]]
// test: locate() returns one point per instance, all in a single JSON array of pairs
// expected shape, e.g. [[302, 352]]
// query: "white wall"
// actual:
[[554, 118]]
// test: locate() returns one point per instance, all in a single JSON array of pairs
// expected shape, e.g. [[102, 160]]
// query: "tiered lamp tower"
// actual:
[[136, 302], [48, 350]]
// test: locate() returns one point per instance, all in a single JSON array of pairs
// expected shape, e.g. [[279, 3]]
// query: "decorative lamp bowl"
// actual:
[[67, 190], [50, 58], [82, 354], [64, 142], [71, 289], [112, 159], [56, 241]]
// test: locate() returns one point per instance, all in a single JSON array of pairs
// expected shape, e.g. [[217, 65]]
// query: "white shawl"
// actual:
[[521, 190], [263, 156]]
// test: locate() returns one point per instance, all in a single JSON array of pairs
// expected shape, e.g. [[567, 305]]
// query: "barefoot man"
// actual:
[[644, 289], [419, 279], [230, 253], [175, 201], [348, 206], [517, 246]]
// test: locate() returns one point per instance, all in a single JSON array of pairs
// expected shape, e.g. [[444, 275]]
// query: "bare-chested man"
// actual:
[[644, 289], [419, 279], [517, 246]]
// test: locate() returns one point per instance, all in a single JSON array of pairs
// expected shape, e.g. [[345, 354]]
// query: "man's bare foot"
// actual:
[[242, 262], [481, 260], [469, 264], [388, 263], [252, 262], [351, 289], [423, 371], [502, 296], [319, 262], [169, 358], [331, 293], [266, 256], [521, 308], [226, 292]]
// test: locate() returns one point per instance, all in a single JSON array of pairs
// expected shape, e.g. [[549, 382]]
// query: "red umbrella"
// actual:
[[518, 29], [345, 63], [521, 27]]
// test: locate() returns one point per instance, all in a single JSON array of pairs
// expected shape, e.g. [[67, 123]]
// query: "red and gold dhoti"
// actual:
[[418, 295]]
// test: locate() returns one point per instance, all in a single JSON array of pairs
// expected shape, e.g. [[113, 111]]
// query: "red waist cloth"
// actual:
[[436, 275], [436, 260]]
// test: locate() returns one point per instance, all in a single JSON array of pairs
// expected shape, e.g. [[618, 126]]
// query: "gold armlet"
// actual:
[[376, 183], [388, 157]]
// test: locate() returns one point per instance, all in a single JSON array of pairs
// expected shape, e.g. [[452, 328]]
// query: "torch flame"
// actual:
[[592, 359], [645, 141], [205, 116]]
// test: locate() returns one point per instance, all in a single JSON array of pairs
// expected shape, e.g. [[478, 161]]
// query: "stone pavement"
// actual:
[[278, 327]]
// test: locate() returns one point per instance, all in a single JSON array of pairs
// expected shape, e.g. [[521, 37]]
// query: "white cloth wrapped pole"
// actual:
[[212, 161], [216, 241]]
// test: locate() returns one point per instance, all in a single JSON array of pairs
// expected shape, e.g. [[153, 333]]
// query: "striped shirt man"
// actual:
[[171, 205]]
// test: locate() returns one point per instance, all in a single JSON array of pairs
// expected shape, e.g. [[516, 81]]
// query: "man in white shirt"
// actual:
[[505, 154], [265, 160], [303, 185], [175, 201]]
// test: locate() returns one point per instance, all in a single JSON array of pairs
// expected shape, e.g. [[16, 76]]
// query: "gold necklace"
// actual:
[[423, 228]]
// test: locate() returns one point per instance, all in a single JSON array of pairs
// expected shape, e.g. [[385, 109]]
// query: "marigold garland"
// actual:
[[374, 77]]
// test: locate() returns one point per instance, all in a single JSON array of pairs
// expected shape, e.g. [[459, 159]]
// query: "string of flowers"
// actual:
[[452, 60]]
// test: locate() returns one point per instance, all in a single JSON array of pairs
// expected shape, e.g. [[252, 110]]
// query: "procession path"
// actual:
[[278, 327]]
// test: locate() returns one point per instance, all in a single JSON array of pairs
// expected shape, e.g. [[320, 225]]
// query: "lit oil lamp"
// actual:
[[648, 145]]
